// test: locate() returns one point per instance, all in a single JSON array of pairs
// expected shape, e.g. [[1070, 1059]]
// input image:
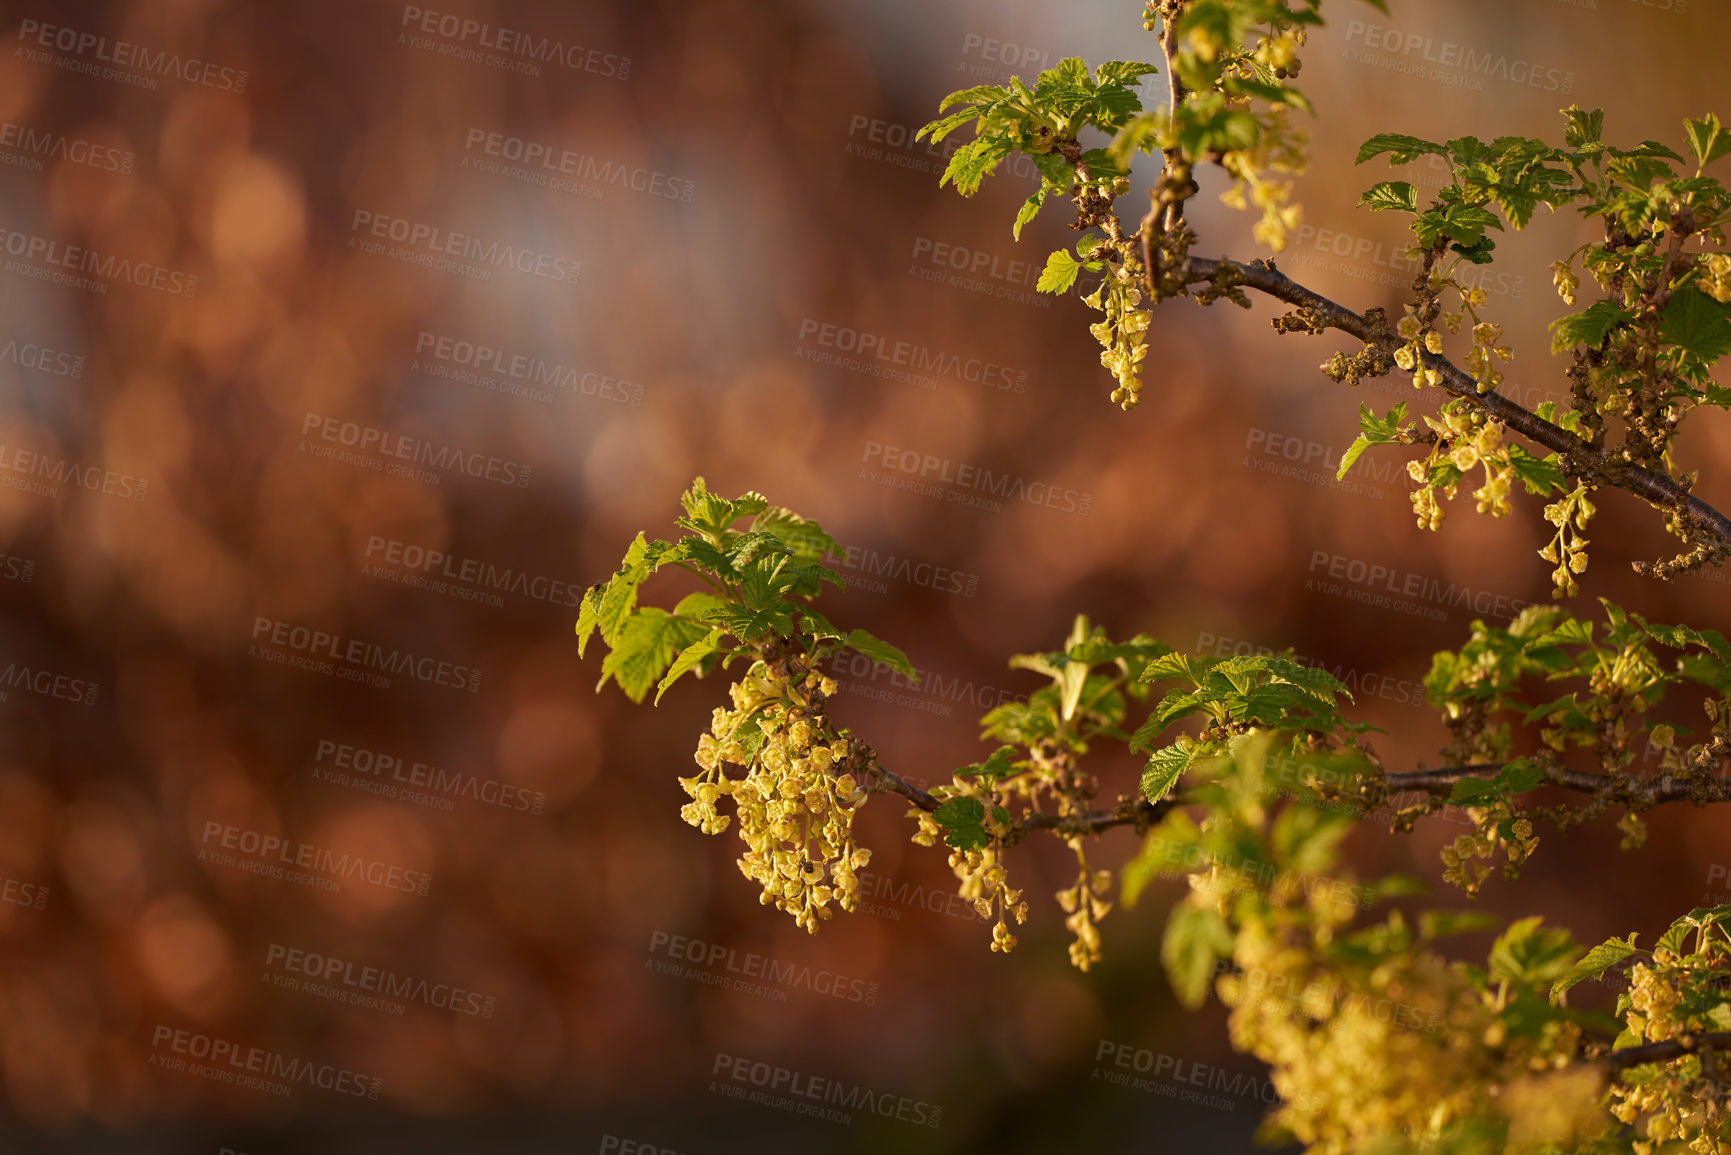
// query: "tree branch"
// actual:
[[1132, 810], [1665, 1050], [1582, 458], [1645, 792]]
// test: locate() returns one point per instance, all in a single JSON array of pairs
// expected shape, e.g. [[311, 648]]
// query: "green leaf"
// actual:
[[1582, 128], [1541, 475], [963, 822], [815, 626], [1374, 430], [1594, 965], [1435, 924], [1060, 273], [749, 625], [699, 605], [1675, 938], [1520, 776], [1304, 838], [1164, 767], [1696, 324], [1529, 952], [804, 538], [1707, 139], [1165, 842], [974, 162], [1030, 208], [644, 648], [1175, 665], [881, 651], [1001, 764], [1473, 792], [1390, 194], [1195, 937], [589, 615], [1402, 149], [765, 581], [688, 659], [1589, 328], [1070, 683]]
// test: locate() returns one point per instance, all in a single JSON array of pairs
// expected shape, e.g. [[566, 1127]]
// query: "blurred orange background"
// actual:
[[375, 331]]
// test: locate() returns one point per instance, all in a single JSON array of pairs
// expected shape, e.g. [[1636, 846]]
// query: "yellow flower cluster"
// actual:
[[1687, 1100], [980, 871], [1568, 548], [797, 799], [1466, 439], [1123, 334]]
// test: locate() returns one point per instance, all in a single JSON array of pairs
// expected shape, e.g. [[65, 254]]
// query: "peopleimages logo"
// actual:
[[26, 463], [860, 567], [34, 146], [352, 658], [467, 578], [245, 1066], [394, 776], [435, 243], [745, 967], [546, 165], [977, 271], [805, 1094], [506, 48], [27, 355], [327, 976], [50, 260], [986, 57], [48, 684], [972, 482], [476, 363], [1457, 64], [873, 353], [123, 54], [271, 852], [399, 448], [1372, 584]]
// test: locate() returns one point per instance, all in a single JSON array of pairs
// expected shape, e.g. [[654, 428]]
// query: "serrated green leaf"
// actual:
[[1675, 939], [1059, 274], [1707, 139], [1374, 430], [1435, 924], [1163, 770], [644, 648], [1529, 952], [1541, 475], [1402, 149], [589, 615], [1195, 937], [1696, 324], [1589, 327], [815, 626], [1582, 128], [1304, 838], [1001, 763], [699, 604], [803, 537], [1390, 195], [1594, 964], [688, 660], [749, 625], [1474, 792], [882, 651], [1029, 210], [962, 820]]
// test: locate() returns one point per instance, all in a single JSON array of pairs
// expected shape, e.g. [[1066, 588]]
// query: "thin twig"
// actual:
[[1583, 458]]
